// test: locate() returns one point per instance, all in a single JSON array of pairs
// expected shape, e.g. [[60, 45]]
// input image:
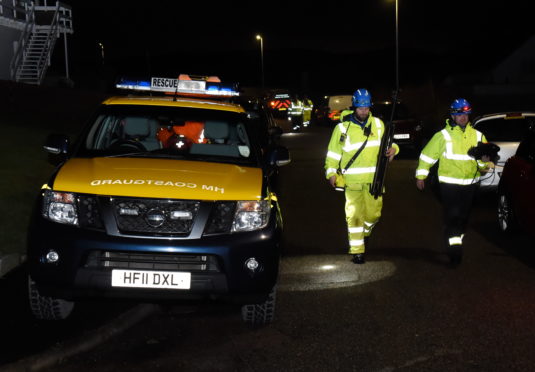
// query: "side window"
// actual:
[[104, 133]]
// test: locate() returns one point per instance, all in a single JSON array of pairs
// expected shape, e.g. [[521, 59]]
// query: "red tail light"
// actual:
[[334, 114]]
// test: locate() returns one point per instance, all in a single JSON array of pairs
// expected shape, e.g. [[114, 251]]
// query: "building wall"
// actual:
[[7, 37]]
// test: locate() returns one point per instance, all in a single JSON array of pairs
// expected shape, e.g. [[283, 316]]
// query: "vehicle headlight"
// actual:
[[60, 207], [251, 215]]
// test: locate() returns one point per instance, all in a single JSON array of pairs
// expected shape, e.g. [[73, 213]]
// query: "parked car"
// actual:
[[505, 130], [327, 112], [408, 130], [261, 121], [516, 190]]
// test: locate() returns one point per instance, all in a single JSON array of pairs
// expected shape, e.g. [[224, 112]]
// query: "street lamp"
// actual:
[[397, 48], [101, 51], [259, 37]]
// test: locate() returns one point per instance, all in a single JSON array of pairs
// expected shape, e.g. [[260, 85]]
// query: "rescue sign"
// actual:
[[169, 85], [163, 84]]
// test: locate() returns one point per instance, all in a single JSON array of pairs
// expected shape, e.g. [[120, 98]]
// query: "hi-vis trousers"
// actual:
[[362, 213]]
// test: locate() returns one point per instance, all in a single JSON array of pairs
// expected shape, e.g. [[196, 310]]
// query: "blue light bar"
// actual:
[[133, 84], [197, 86]]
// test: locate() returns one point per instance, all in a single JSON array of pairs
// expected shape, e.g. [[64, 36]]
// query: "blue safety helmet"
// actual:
[[362, 98], [460, 106]]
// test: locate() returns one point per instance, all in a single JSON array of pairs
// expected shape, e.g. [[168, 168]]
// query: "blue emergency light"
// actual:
[[204, 86], [134, 84]]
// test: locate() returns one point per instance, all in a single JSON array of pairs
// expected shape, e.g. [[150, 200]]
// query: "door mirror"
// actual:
[[57, 146], [279, 156]]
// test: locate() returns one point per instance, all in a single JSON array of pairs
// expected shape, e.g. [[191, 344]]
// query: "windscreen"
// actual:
[[169, 132]]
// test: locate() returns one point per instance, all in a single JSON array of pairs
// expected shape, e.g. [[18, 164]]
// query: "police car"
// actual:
[[161, 197]]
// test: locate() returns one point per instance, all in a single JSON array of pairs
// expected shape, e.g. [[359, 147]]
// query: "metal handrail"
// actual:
[[23, 40], [65, 18], [15, 9], [61, 22], [52, 35]]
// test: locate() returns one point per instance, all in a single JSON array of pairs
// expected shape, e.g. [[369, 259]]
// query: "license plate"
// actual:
[[402, 136], [150, 279]]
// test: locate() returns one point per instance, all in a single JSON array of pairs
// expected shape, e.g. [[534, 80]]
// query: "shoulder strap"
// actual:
[[354, 157]]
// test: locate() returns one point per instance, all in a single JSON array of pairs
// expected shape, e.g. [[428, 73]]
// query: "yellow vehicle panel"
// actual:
[[169, 102], [159, 178]]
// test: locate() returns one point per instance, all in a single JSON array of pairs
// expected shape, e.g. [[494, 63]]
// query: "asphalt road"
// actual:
[[406, 309]]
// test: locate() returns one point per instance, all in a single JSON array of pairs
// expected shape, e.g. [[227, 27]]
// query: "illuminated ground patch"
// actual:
[[308, 273]]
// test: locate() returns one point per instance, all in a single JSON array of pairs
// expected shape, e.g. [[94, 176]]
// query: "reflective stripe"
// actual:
[[360, 170], [479, 136], [458, 181], [354, 146], [342, 127], [422, 172], [446, 135], [427, 159], [449, 154], [356, 229], [356, 243], [378, 125], [334, 155], [455, 240], [369, 226], [330, 170]]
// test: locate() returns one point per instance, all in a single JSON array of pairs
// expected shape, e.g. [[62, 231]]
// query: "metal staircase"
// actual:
[[44, 25]]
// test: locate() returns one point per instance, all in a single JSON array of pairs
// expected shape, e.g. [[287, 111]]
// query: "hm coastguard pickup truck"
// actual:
[[161, 197]]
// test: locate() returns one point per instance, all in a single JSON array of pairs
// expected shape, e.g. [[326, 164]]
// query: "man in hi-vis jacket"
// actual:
[[458, 172], [358, 133]]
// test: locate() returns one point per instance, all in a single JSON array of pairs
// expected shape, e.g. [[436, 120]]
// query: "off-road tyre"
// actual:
[[47, 308], [260, 314]]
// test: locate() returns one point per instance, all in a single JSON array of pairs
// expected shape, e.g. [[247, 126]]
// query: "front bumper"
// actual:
[[216, 263]]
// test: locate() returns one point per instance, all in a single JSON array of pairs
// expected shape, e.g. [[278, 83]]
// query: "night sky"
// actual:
[[301, 41]]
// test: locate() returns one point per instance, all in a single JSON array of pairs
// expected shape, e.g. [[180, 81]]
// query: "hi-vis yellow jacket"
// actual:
[[450, 147], [346, 140]]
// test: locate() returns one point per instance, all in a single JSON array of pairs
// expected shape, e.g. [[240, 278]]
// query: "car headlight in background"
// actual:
[[60, 207], [251, 215]]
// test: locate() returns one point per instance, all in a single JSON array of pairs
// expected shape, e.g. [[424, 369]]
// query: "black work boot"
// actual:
[[358, 258]]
